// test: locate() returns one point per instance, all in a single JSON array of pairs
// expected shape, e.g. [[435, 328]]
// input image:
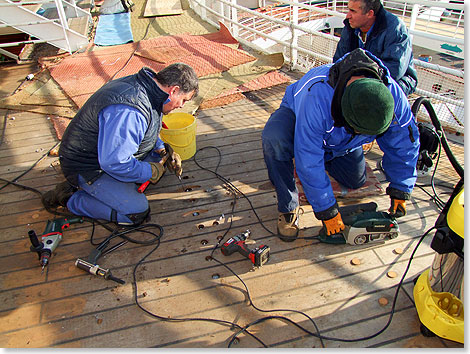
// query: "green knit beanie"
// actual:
[[367, 106]]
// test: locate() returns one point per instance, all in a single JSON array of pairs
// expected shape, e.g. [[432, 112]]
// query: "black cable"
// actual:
[[25, 172], [234, 188], [356, 339], [166, 319]]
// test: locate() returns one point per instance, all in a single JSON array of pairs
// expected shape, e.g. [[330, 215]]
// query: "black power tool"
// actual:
[[258, 256], [364, 224]]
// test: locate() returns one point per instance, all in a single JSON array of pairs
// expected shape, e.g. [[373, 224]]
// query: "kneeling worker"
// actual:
[[322, 122], [112, 144]]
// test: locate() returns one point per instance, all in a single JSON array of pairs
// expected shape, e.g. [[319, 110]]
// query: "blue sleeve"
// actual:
[[158, 146], [309, 153], [343, 45], [400, 145], [121, 130], [340, 49], [397, 52]]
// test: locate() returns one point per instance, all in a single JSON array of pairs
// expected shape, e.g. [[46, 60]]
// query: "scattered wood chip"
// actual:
[[383, 301], [355, 261], [54, 151], [398, 250], [392, 274], [99, 321], [35, 216]]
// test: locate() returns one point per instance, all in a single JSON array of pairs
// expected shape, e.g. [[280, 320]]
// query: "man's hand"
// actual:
[[157, 170], [397, 208], [174, 162], [334, 225]]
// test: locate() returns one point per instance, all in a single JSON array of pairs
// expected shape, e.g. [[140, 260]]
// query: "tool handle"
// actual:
[[143, 187], [243, 250], [34, 241]]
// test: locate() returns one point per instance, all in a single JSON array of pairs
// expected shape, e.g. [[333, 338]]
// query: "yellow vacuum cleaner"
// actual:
[[438, 291]]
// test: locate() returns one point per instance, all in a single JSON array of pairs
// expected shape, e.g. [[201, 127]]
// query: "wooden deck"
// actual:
[[66, 307]]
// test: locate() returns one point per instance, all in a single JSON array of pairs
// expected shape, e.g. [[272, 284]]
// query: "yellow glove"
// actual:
[[397, 208], [157, 171], [334, 225], [174, 162]]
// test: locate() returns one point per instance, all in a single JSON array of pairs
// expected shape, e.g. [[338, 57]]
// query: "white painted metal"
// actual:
[[299, 38], [56, 33]]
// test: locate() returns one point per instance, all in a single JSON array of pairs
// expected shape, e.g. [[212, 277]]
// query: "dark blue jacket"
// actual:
[[389, 41], [78, 152]]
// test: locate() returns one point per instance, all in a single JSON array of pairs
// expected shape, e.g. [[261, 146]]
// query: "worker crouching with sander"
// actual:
[[322, 122], [113, 144]]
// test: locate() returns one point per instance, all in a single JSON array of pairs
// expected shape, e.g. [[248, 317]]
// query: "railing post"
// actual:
[[63, 22], [203, 12], [414, 17], [221, 11], [294, 20], [234, 17]]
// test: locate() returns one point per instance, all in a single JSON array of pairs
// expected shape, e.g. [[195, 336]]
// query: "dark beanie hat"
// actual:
[[367, 106]]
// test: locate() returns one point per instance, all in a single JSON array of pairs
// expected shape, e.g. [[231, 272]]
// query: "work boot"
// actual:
[[59, 196], [288, 225]]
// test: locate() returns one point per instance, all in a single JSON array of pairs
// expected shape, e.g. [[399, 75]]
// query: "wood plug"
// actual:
[[355, 261], [54, 151], [398, 250], [383, 301], [392, 274]]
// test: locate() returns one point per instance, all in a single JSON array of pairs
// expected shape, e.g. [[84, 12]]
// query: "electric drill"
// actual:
[[50, 238], [258, 256]]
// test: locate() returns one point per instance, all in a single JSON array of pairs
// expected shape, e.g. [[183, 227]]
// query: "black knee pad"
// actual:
[[136, 218], [139, 218]]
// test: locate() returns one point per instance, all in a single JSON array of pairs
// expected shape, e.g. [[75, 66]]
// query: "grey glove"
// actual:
[[157, 171]]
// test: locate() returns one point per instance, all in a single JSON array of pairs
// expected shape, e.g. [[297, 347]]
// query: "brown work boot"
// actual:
[[59, 196], [288, 225]]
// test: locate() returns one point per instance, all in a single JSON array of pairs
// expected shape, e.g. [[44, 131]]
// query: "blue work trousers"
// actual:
[[109, 199], [278, 149]]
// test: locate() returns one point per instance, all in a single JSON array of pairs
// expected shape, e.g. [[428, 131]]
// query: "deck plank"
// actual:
[[65, 307]]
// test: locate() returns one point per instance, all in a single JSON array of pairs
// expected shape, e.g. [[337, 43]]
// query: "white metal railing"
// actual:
[[305, 35], [53, 28]]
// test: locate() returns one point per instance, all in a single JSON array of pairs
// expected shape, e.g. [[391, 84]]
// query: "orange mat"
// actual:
[[372, 187], [270, 79], [82, 74]]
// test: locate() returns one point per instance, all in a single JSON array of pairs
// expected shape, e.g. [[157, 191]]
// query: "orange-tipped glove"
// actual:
[[174, 162], [397, 208], [334, 225]]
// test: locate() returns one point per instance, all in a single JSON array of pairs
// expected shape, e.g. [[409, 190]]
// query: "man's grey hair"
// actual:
[[181, 75], [367, 5]]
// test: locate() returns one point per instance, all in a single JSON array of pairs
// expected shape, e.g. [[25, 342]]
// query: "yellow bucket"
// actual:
[[181, 133]]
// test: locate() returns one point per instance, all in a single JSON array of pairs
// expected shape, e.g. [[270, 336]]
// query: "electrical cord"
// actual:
[[362, 338], [237, 191], [244, 329], [184, 319]]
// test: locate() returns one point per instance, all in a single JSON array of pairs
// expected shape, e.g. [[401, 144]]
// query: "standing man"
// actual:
[[113, 144], [323, 121], [369, 26]]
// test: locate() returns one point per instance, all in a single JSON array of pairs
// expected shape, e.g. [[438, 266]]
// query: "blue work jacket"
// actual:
[[317, 140], [388, 40]]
